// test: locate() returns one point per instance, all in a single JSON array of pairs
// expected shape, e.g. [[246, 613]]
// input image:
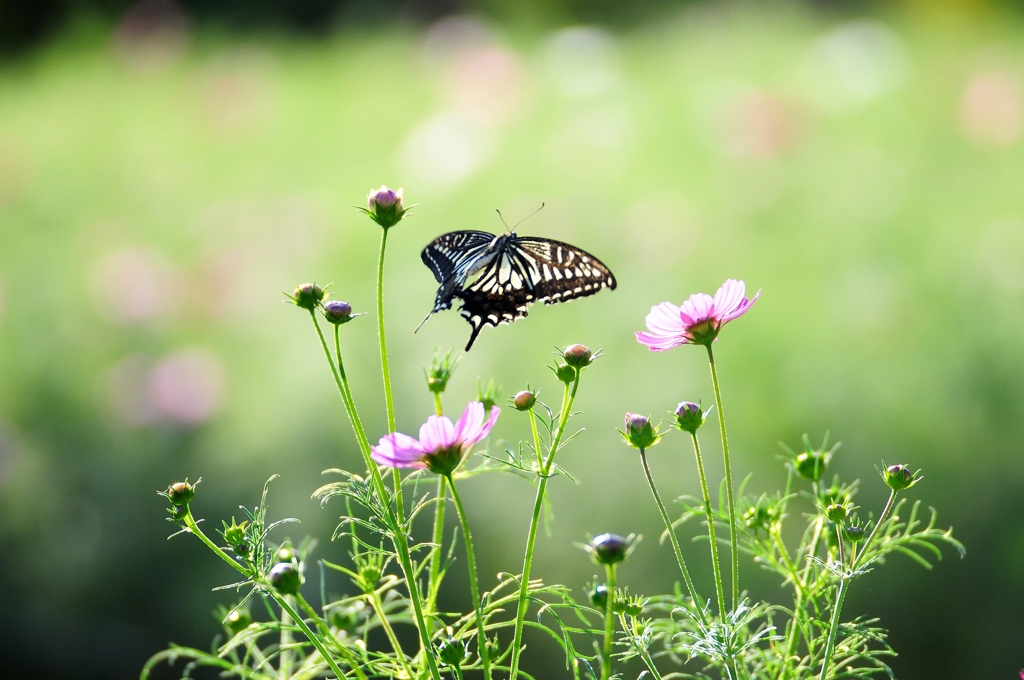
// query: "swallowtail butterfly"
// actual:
[[511, 272]]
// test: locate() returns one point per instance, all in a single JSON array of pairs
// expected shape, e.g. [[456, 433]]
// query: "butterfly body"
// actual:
[[511, 273]]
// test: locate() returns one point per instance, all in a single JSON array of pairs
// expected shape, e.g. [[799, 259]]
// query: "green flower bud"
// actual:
[[578, 356], [689, 417], [565, 373], [836, 512], [345, 618], [286, 553], [899, 477], [286, 578], [623, 603], [853, 533], [181, 493], [235, 533], [761, 516], [452, 652], [524, 401], [237, 620], [610, 548], [810, 465], [440, 371], [599, 596], [307, 295], [639, 432], [488, 396]]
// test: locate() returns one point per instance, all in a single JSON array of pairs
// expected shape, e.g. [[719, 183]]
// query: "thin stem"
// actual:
[[474, 584], [284, 661], [609, 624], [438, 407], [839, 542], [728, 482], [844, 584], [630, 629], [536, 440], [434, 580], [398, 536], [326, 632], [389, 401], [378, 608], [711, 525], [697, 603], [568, 397], [194, 529]]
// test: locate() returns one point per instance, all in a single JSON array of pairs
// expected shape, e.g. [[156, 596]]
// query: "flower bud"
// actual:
[[639, 431], [565, 373], [493, 647], [286, 578], [385, 206], [345, 618], [899, 477], [762, 515], [836, 512], [237, 620], [689, 417], [307, 295], [810, 465], [610, 548], [623, 603], [488, 396], [286, 553], [235, 533], [524, 401], [452, 652], [853, 533], [578, 356], [599, 596], [337, 312], [181, 493], [177, 512], [440, 371]]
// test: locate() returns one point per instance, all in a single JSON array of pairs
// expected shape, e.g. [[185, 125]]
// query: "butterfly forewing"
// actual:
[[453, 253], [563, 271]]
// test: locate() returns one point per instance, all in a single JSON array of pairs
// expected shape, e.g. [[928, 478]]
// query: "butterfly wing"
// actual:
[[451, 257], [559, 271], [530, 270]]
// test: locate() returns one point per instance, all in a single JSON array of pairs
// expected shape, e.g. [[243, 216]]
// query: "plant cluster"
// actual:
[[395, 575]]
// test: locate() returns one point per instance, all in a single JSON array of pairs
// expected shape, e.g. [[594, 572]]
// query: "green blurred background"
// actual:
[[166, 171]]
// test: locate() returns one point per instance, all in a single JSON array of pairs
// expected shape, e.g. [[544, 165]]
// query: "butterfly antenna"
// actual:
[[500, 217], [429, 314], [529, 216]]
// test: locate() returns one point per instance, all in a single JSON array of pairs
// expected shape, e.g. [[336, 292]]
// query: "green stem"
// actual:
[[389, 401], [438, 406], [284, 661], [326, 632], [398, 536], [833, 629], [568, 397], [728, 482], [194, 529], [434, 581], [609, 624], [719, 592], [630, 629], [378, 608], [697, 603], [474, 584]]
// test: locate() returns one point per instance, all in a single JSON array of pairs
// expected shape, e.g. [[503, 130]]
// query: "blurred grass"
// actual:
[[882, 221]]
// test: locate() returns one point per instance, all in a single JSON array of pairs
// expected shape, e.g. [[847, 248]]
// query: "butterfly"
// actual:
[[511, 272]]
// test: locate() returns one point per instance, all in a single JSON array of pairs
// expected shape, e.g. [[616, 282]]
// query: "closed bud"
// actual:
[[452, 652], [899, 477], [286, 578], [610, 548], [599, 596], [345, 618], [286, 553], [524, 401], [493, 647], [853, 533], [578, 356], [623, 603], [639, 432], [237, 620], [488, 396], [338, 312], [307, 295], [181, 493], [689, 417], [565, 373], [836, 512], [810, 465], [440, 371], [384, 206], [235, 533]]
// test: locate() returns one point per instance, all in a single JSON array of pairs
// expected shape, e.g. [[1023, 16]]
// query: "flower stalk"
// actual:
[[719, 593], [474, 584], [730, 492]]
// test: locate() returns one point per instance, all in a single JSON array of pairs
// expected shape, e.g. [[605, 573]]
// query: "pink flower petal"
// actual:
[[664, 320], [698, 309], [741, 308], [398, 450], [483, 430], [469, 422], [657, 343], [729, 297], [436, 434]]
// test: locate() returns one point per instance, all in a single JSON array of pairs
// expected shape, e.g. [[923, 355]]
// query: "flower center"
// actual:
[[703, 332], [444, 461]]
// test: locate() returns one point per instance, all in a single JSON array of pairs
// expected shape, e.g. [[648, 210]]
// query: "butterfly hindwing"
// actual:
[[449, 258]]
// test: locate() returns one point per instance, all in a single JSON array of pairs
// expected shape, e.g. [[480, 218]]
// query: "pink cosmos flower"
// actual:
[[441, 446], [697, 320]]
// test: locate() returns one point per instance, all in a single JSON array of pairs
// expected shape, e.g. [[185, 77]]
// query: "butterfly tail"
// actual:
[[425, 319], [472, 336]]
